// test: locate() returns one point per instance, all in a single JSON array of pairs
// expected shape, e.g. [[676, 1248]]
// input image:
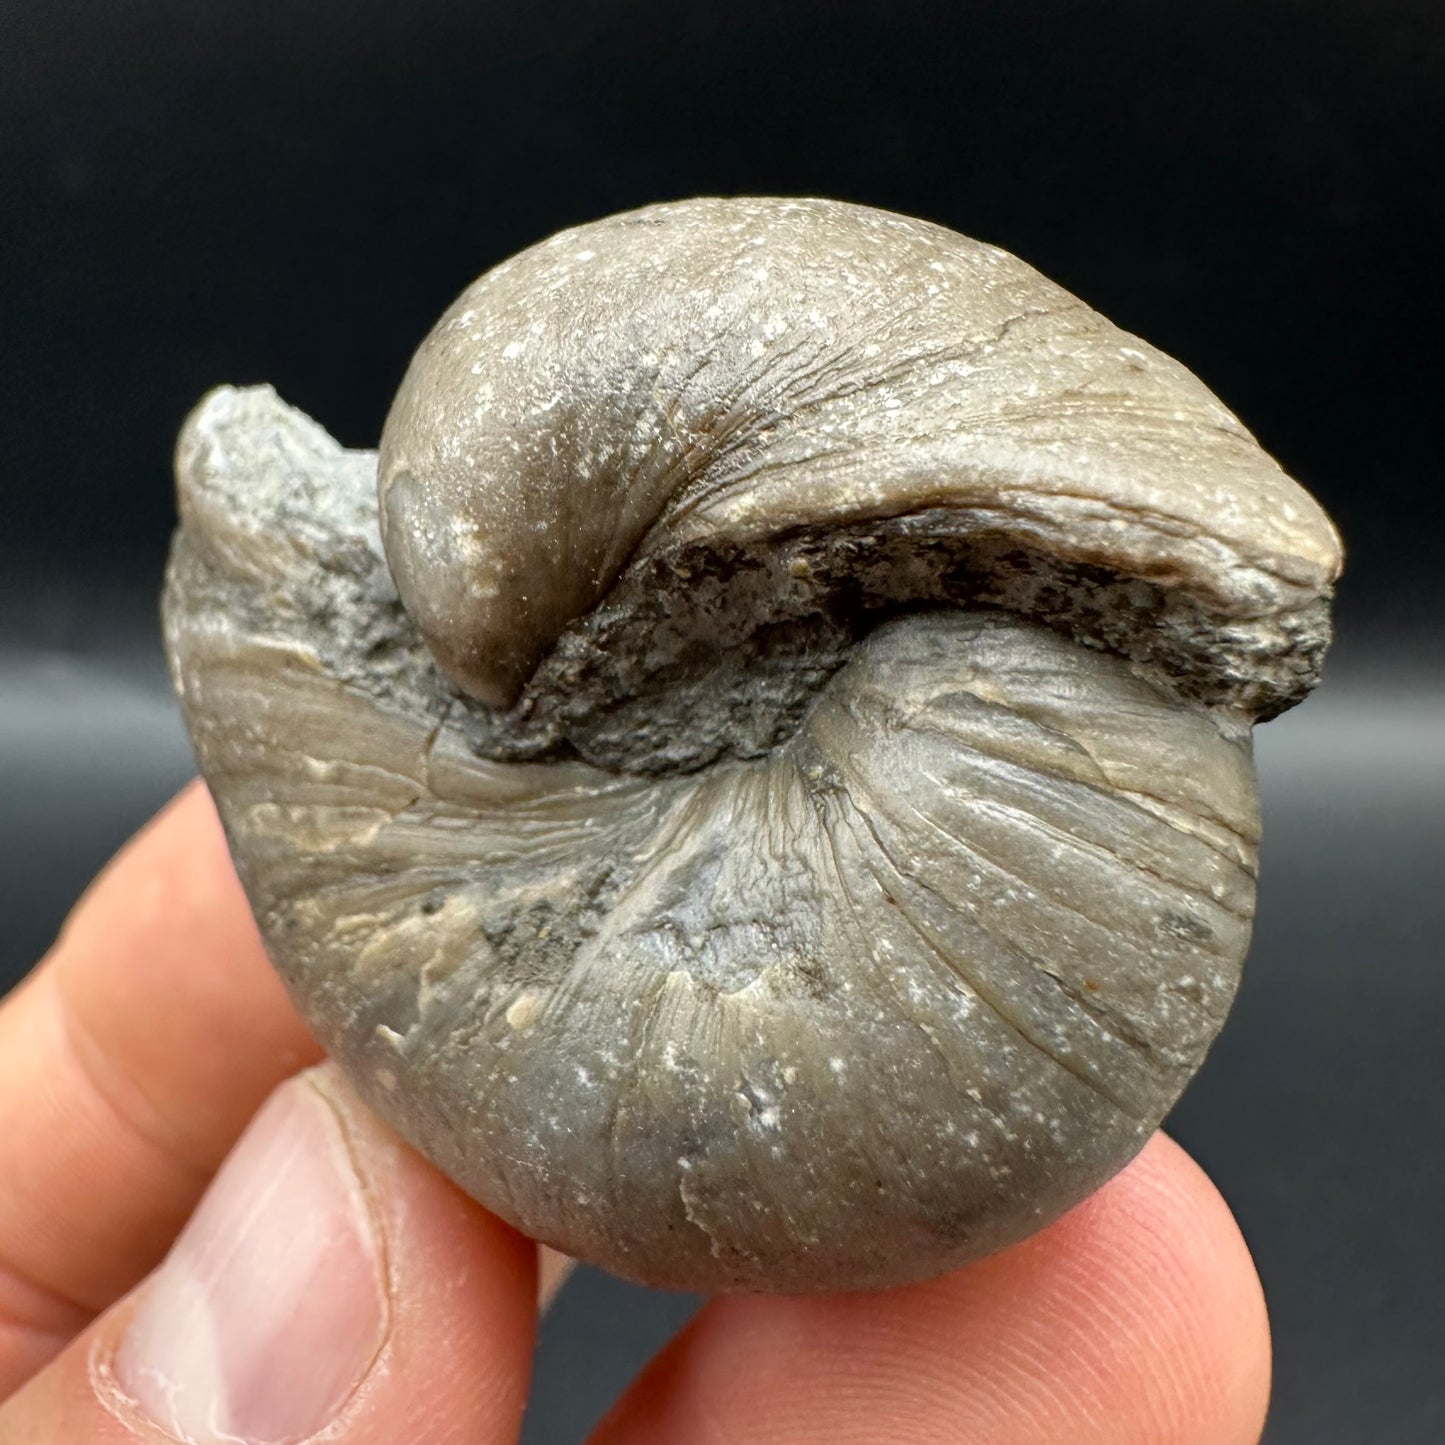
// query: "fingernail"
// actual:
[[271, 1307]]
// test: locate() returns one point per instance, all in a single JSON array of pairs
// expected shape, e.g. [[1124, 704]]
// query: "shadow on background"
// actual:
[[294, 193]]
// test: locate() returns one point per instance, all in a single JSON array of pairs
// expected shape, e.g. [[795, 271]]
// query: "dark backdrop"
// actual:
[[195, 192]]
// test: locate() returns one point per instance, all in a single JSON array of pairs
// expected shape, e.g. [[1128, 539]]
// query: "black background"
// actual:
[[197, 193]]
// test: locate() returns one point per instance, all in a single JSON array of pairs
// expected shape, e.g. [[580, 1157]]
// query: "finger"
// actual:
[[129, 1062], [330, 1284], [553, 1271], [1137, 1317]]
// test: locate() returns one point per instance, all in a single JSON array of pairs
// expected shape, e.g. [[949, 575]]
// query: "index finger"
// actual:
[[130, 1061]]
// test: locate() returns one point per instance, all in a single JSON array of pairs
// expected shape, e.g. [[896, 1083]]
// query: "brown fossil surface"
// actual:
[[754, 778]]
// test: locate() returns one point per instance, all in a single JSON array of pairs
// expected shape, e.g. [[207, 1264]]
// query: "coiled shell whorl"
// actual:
[[765, 800]]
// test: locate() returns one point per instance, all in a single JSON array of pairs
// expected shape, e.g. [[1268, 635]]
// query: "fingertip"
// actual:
[[185, 834], [1155, 1274], [167, 989], [1137, 1317], [463, 1292], [130, 1060], [553, 1271], [330, 1285]]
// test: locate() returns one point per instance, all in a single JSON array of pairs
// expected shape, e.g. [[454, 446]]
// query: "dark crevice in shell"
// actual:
[[716, 650]]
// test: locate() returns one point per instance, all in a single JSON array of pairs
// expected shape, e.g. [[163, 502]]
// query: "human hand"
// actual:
[[331, 1284]]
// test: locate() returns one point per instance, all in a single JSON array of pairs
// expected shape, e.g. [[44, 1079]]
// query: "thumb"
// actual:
[[331, 1282]]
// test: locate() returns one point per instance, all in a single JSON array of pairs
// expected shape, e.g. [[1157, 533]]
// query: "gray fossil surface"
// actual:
[[754, 778]]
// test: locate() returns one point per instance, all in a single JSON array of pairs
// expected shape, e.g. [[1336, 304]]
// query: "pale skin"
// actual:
[[133, 1058]]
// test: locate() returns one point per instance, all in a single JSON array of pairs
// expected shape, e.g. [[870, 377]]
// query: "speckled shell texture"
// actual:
[[763, 800]]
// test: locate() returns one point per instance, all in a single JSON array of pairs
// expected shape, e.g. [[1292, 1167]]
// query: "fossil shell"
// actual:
[[765, 801]]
